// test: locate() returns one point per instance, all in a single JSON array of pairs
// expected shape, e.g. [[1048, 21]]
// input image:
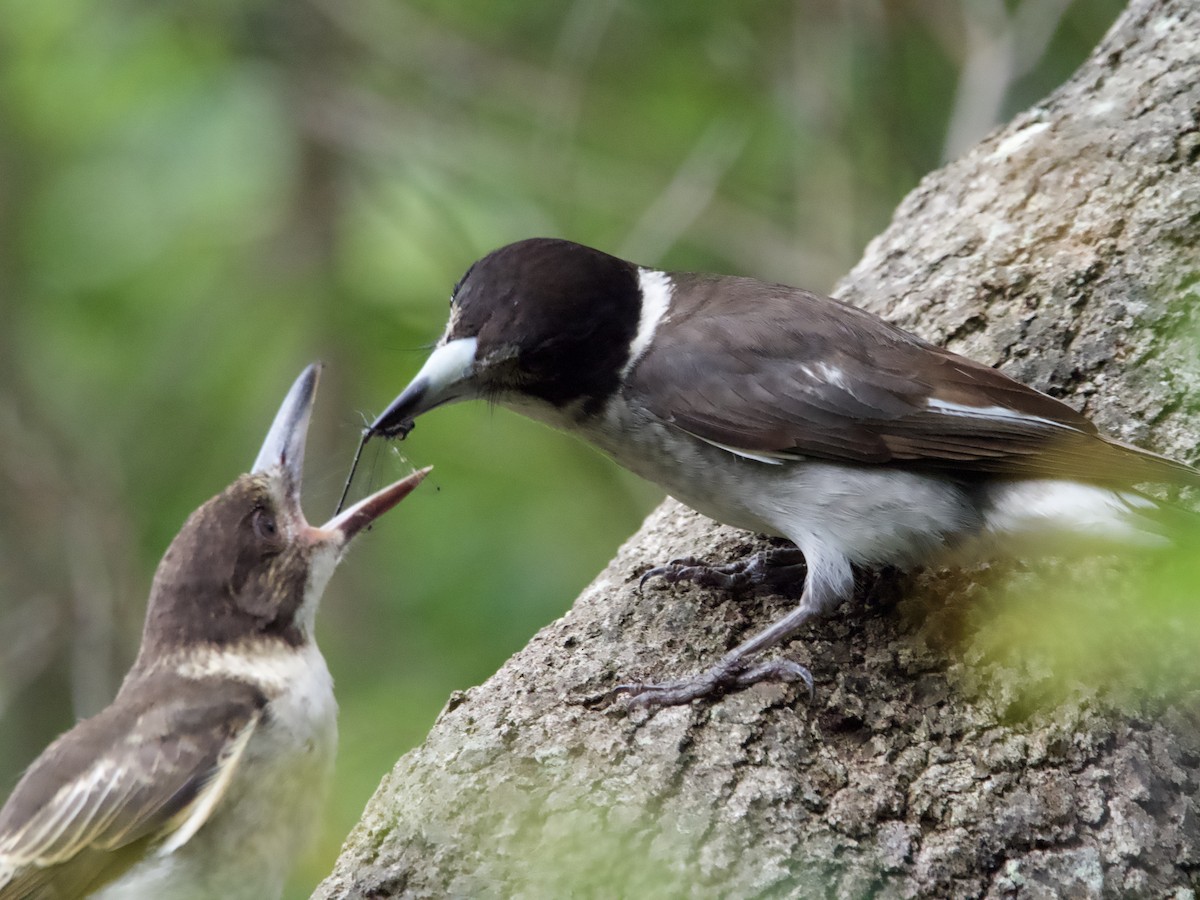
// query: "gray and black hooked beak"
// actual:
[[447, 376], [282, 455]]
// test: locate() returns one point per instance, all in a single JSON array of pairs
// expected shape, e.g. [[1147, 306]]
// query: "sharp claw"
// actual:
[[778, 670], [713, 683], [646, 576], [671, 693], [632, 689], [769, 567], [674, 571], [658, 694], [651, 573]]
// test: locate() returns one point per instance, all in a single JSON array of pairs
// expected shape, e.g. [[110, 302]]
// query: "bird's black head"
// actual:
[[552, 319], [247, 565], [541, 320]]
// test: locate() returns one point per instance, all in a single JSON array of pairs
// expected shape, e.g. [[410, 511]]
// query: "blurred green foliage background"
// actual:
[[196, 199]]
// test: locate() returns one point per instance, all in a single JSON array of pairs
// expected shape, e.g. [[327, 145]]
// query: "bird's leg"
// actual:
[[777, 567], [734, 671]]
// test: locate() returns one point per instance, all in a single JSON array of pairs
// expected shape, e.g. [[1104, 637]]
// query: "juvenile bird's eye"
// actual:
[[264, 525]]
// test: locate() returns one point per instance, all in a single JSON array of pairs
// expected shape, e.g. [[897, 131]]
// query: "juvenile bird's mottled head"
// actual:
[[240, 567], [247, 564]]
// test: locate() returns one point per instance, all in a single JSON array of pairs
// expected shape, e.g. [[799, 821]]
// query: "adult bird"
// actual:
[[780, 411], [205, 776]]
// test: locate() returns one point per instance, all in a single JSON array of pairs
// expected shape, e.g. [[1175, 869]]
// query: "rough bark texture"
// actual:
[[935, 761]]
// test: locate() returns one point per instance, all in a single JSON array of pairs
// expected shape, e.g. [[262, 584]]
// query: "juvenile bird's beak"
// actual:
[[282, 456], [447, 376], [284, 445], [359, 516]]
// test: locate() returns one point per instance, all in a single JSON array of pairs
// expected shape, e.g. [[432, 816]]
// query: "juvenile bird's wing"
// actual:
[[142, 776], [791, 374]]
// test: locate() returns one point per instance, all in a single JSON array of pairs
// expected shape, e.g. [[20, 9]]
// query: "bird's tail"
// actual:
[[1054, 514]]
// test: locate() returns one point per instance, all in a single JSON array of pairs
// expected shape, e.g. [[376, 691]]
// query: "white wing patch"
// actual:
[[657, 291], [989, 412], [826, 373], [773, 459]]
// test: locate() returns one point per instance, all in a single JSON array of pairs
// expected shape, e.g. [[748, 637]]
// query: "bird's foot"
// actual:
[[731, 674], [768, 567]]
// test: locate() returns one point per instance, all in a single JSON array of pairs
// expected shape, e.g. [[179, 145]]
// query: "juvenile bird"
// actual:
[[780, 411], [205, 776]]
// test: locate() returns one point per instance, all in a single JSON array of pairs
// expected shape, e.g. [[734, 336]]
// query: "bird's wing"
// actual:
[[791, 374], [145, 774]]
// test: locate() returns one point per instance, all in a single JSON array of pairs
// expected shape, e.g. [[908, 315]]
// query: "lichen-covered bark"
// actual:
[[940, 758]]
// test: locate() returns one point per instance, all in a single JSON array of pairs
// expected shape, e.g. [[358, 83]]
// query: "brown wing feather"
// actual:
[[84, 873], [794, 373], [118, 782]]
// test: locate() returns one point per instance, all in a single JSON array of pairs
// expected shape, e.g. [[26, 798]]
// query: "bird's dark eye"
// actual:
[[264, 525]]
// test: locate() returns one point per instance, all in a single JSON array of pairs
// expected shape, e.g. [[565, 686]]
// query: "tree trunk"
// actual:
[[951, 749]]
